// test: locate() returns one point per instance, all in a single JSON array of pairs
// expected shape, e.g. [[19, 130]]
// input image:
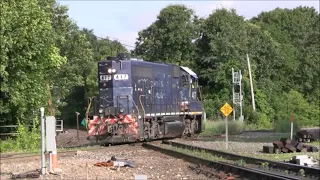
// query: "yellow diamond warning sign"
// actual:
[[226, 109]]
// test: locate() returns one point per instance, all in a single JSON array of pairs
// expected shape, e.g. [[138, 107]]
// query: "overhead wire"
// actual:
[[100, 37]]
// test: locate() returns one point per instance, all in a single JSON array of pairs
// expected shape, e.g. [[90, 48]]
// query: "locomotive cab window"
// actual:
[[194, 87], [185, 81]]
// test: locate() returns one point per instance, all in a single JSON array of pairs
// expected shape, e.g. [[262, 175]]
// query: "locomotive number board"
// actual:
[[121, 77], [115, 77]]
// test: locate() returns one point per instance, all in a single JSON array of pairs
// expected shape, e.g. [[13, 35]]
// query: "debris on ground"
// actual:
[[140, 177], [286, 145], [28, 175], [114, 162], [304, 160], [308, 135]]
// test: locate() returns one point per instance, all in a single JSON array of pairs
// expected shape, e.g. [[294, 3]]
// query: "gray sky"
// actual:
[[123, 19]]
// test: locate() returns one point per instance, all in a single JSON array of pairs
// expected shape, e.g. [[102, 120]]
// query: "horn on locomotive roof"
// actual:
[[121, 56]]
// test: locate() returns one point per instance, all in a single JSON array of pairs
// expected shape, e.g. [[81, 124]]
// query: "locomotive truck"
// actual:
[[144, 101]]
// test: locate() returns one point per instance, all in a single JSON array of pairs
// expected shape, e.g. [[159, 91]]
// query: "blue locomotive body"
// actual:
[[141, 100]]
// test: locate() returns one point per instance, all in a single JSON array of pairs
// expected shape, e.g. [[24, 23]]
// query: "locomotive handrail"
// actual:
[[135, 105], [144, 112], [87, 111]]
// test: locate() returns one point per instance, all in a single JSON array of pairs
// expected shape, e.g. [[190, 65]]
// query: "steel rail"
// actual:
[[309, 171], [245, 172]]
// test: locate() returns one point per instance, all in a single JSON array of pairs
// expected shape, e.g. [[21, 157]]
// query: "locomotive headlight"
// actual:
[[111, 70]]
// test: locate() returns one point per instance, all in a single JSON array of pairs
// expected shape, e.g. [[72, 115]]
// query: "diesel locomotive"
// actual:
[[144, 101]]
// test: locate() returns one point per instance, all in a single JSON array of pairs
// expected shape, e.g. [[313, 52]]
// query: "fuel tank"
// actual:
[[173, 129]]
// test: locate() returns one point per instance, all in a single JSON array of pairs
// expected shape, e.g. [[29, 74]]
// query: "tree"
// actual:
[[28, 53], [298, 33], [170, 38], [84, 50], [222, 46]]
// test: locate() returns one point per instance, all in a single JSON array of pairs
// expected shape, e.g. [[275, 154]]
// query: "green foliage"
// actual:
[[240, 162], [25, 140], [170, 38], [219, 127], [305, 114], [283, 46], [46, 57], [27, 54]]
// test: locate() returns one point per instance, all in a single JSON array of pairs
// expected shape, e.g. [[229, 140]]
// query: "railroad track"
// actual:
[[221, 169], [292, 169]]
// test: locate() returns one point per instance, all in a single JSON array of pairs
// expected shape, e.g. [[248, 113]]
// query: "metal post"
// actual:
[[234, 113], [251, 86], [291, 131], [43, 161], [240, 78], [226, 119], [77, 125], [291, 120]]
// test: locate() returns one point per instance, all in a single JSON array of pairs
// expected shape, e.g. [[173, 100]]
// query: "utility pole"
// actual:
[[78, 125], [43, 145], [251, 85]]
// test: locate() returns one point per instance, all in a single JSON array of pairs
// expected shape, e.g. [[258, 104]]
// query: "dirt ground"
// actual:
[[69, 138], [153, 164]]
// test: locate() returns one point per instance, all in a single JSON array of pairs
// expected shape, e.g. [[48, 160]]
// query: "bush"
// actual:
[[218, 127], [285, 126], [305, 113], [25, 140], [210, 108]]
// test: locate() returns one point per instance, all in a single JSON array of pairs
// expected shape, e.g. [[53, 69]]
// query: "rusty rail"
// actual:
[[250, 173], [310, 172]]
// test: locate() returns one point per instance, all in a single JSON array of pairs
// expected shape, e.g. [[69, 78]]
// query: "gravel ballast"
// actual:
[[233, 147], [153, 164]]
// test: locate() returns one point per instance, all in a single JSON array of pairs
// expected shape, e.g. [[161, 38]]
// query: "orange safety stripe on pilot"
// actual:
[[93, 122], [104, 127]]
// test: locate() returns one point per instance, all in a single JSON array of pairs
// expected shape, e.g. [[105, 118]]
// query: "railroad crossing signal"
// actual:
[[226, 109]]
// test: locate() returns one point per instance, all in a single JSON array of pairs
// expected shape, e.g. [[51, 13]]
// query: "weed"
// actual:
[[265, 166], [241, 162], [301, 173]]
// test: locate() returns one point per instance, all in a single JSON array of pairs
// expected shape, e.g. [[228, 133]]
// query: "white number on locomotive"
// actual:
[[105, 77], [121, 77]]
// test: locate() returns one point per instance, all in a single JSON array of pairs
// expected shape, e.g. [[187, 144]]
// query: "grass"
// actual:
[[282, 156], [197, 153], [218, 127], [209, 156]]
